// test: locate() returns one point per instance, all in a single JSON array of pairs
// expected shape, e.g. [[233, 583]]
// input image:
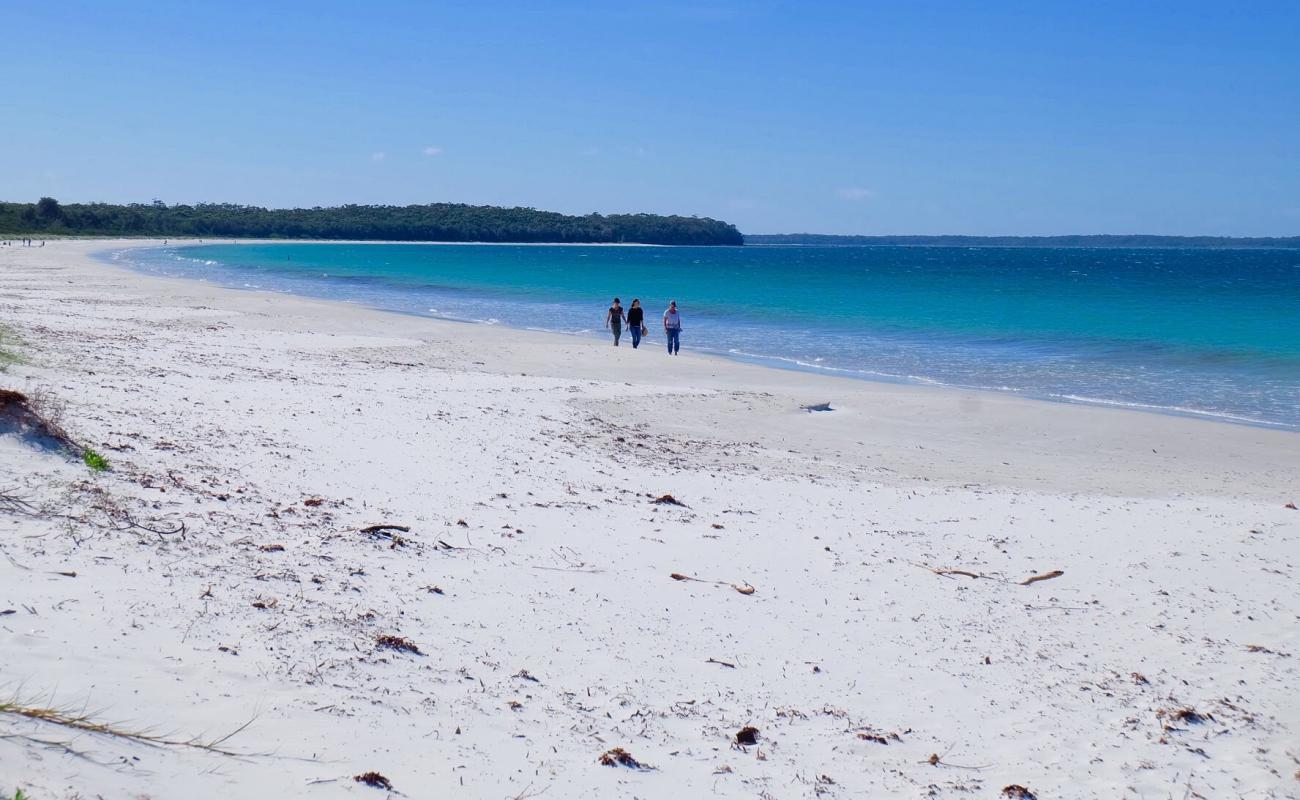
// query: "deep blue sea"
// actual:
[[1204, 332]]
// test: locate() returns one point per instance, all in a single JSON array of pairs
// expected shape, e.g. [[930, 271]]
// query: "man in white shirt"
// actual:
[[673, 328]]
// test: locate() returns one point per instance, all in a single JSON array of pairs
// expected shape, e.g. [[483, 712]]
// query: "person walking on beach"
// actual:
[[636, 322], [614, 319], [673, 328]]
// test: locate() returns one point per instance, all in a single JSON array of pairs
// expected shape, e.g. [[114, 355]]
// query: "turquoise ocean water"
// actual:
[[1204, 332]]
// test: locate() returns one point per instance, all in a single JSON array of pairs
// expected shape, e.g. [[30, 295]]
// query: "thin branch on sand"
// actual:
[[83, 722]]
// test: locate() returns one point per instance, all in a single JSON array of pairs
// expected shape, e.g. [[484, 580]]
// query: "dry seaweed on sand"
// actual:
[[374, 779], [618, 757], [398, 643], [668, 500], [747, 735], [1017, 792], [1185, 715]]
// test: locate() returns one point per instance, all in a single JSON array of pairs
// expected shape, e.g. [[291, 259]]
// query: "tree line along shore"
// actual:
[[445, 222]]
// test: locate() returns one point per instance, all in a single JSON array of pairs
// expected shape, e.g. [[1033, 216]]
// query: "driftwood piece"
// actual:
[[1046, 576]]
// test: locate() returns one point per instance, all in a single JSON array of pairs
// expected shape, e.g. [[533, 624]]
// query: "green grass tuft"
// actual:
[[8, 352], [94, 460]]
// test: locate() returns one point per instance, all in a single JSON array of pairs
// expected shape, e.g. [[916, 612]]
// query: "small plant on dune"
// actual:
[[18, 794], [94, 460]]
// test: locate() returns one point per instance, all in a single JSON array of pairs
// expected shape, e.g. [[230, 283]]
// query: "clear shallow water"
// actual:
[[1207, 332]]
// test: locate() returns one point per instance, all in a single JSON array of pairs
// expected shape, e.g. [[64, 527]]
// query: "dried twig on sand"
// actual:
[[14, 504], [945, 571], [743, 588], [83, 722], [386, 532], [1046, 576]]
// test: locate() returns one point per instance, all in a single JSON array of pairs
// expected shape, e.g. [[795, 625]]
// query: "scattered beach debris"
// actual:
[[271, 548], [618, 757], [374, 779], [1017, 792], [668, 500], [398, 643], [1139, 679], [1046, 576], [747, 735], [817, 407], [1291, 506], [525, 675], [15, 504], [879, 738], [315, 502], [744, 588], [720, 663], [1259, 648]]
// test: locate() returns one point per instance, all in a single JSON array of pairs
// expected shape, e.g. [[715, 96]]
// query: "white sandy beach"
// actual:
[[536, 574]]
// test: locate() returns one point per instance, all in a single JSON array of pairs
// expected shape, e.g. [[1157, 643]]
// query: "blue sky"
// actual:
[[921, 117]]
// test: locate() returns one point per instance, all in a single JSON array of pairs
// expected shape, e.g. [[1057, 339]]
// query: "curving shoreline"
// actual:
[[527, 469]]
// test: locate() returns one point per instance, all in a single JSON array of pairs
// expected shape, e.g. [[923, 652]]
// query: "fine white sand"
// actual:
[[526, 466]]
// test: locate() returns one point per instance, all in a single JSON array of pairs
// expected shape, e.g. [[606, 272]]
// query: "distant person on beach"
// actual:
[[673, 328], [636, 322], [614, 319]]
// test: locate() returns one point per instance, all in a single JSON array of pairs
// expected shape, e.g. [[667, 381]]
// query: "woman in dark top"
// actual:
[[614, 319], [636, 322]]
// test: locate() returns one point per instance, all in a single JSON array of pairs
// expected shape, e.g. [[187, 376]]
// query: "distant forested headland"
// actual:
[[444, 222], [1026, 241]]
